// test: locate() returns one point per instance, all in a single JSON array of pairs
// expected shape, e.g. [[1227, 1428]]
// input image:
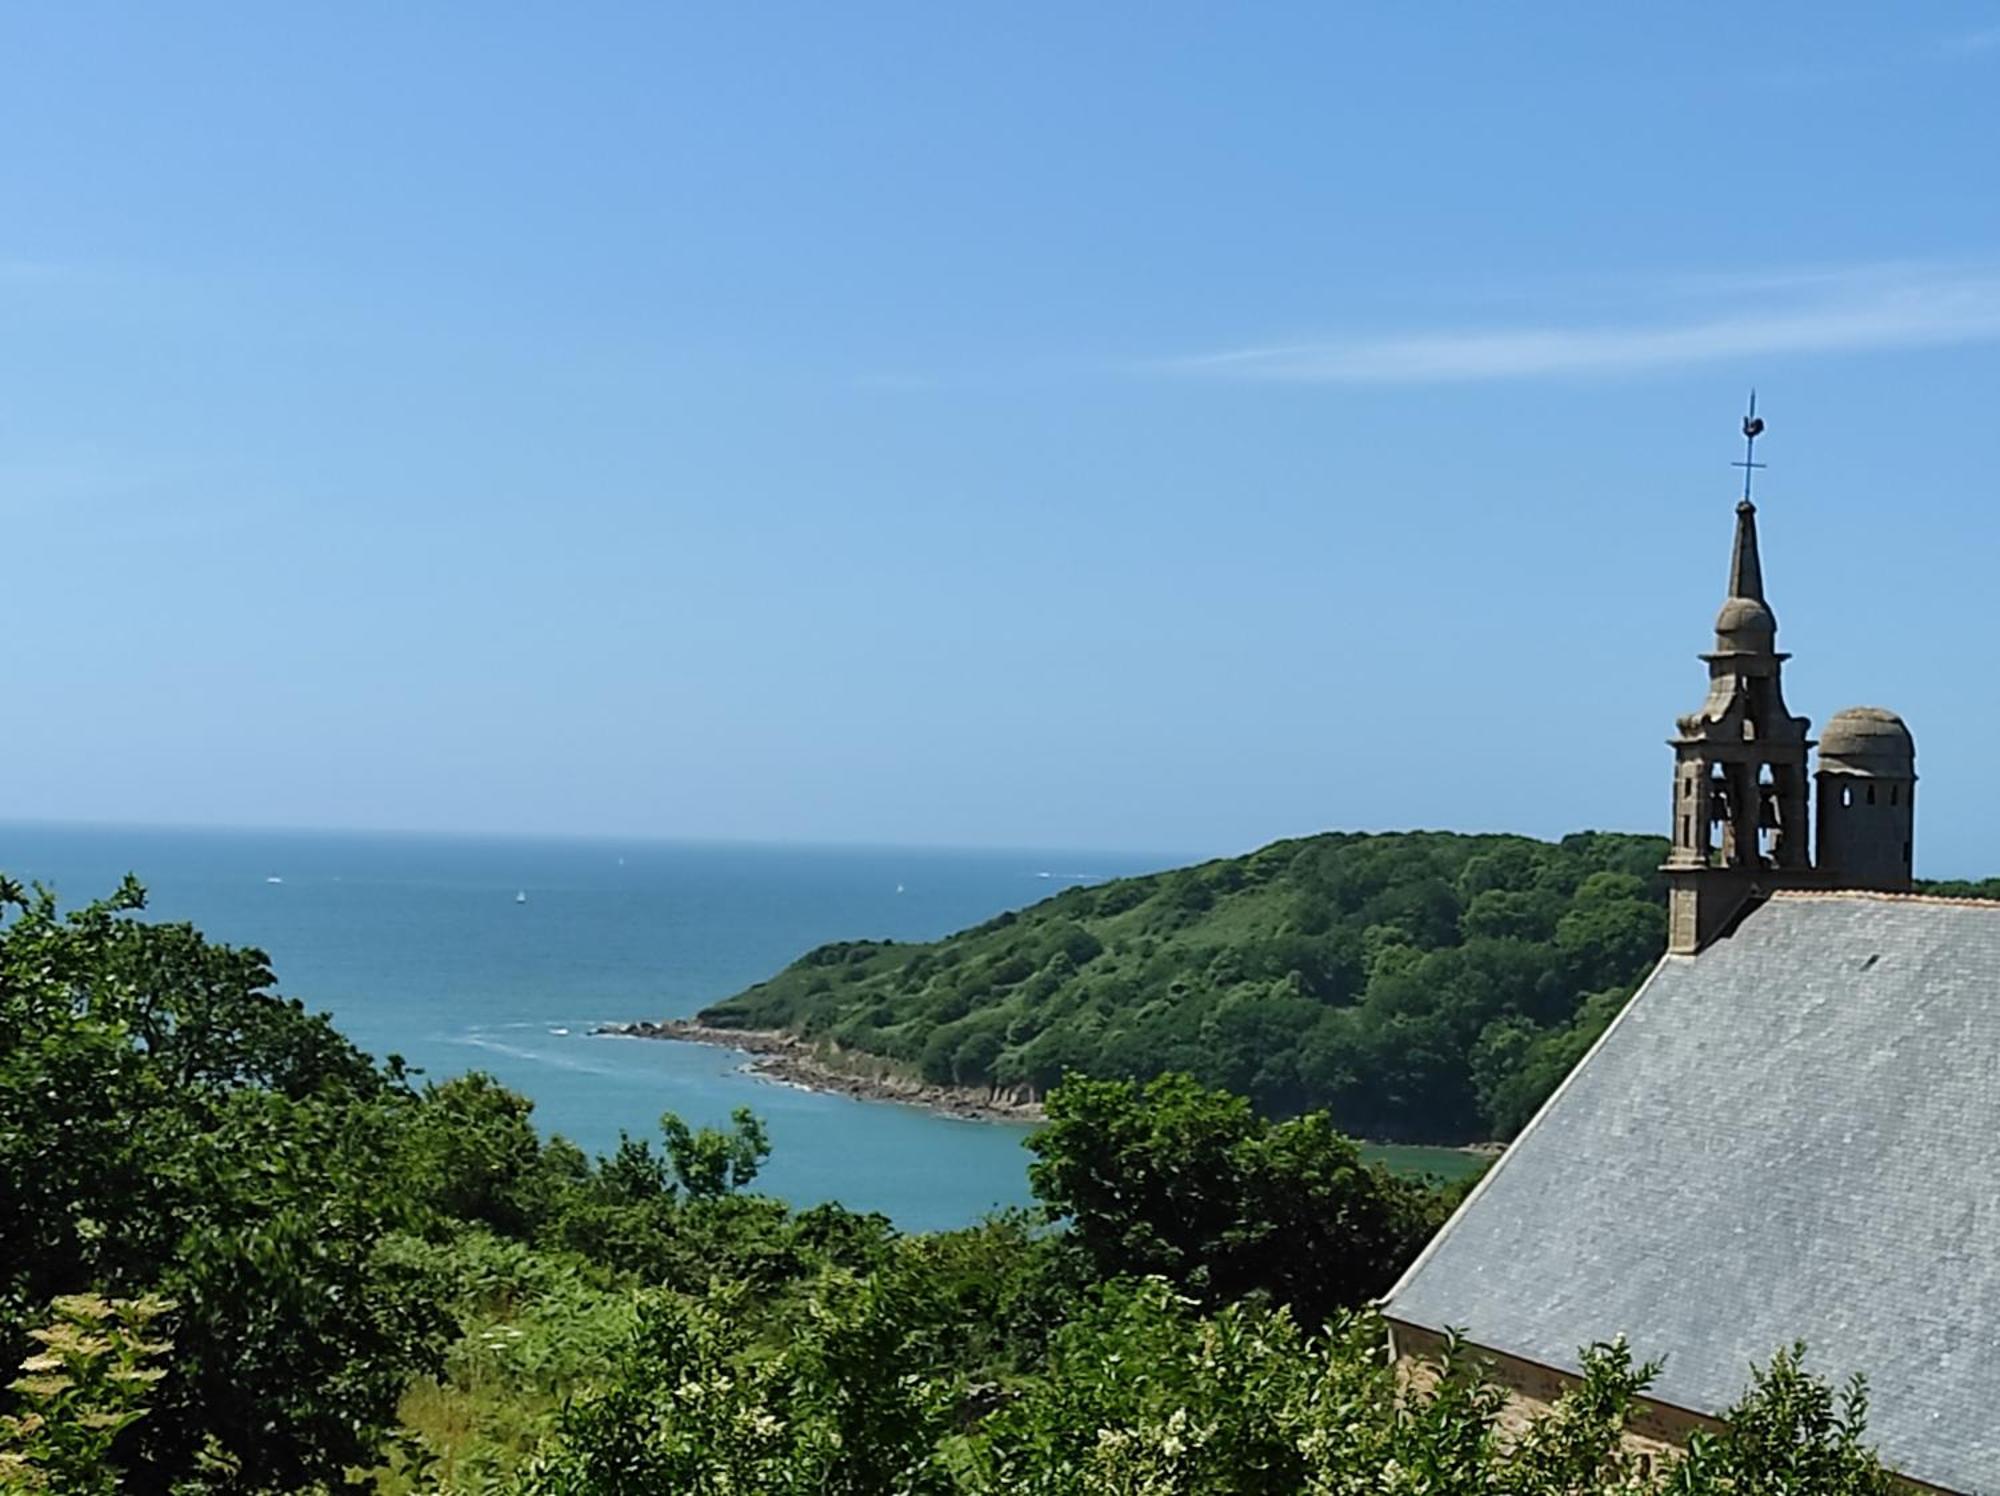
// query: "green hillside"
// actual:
[[1421, 985]]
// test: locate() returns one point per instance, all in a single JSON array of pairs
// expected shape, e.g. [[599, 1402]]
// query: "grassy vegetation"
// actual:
[[1451, 1165], [531, 1328]]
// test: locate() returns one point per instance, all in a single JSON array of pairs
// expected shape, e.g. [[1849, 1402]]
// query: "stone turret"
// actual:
[[1867, 800]]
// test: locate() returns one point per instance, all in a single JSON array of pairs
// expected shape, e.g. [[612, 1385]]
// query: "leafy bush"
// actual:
[[1184, 1183], [85, 1384]]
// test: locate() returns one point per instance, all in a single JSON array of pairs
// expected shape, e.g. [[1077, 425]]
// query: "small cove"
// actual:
[[504, 954]]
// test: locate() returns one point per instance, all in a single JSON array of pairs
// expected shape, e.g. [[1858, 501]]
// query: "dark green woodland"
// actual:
[[1420, 986]]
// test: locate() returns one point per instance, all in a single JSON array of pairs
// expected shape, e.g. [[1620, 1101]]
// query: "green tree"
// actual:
[[472, 1152], [1613, 931], [708, 1162], [1183, 1182], [167, 1123], [1789, 1436]]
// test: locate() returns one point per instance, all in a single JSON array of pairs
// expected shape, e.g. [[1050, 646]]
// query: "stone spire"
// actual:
[[1746, 569], [1746, 625]]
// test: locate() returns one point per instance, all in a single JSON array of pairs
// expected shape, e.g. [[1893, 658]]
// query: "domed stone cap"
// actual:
[[1868, 740], [1745, 623]]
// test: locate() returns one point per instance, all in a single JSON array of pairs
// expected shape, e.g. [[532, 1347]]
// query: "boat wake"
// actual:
[[479, 1040]]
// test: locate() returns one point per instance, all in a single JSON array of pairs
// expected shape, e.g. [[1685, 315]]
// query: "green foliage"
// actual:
[[672, 1219], [534, 1325], [296, 1331], [168, 1124], [708, 1163], [1141, 1393], [990, 1296], [1421, 986], [1960, 888], [472, 1154], [1789, 1436], [1184, 1183], [1145, 1396], [684, 1411], [342, 1250], [690, 1409], [86, 1383]]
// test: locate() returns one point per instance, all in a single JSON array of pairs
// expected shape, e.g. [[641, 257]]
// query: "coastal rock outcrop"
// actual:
[[788, 1060]]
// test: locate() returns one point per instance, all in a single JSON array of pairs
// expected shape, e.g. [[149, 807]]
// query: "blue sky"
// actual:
[[1146, 427]]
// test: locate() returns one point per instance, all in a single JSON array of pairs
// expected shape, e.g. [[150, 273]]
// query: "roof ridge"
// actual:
[[1826, 895]]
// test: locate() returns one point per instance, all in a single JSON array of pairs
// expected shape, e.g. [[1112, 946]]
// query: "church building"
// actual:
[[1788, 1133]]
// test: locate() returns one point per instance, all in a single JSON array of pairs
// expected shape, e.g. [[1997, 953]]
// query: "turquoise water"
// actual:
[[417, 946]]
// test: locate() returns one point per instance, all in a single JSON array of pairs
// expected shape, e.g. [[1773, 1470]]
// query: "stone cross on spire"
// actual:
[[1752, 429], [1746, 571]]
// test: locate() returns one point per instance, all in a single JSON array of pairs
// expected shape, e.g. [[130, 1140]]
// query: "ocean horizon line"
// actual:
[[1166, 858]]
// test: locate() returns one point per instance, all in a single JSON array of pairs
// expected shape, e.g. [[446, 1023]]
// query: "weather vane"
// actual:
[[1752, 429]]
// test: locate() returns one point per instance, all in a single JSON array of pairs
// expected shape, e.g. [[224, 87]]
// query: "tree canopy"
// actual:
[[1422, 985]]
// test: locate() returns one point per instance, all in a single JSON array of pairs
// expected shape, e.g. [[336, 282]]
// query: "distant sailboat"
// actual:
[[521, 897]]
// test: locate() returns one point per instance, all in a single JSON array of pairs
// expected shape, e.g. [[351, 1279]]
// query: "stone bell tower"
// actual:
[[1739, 823], [1739, 826]]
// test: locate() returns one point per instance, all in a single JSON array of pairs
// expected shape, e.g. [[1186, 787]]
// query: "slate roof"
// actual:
[[1793, 1135]]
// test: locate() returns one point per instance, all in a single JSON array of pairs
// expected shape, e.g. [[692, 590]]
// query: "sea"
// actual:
[[504, 954]]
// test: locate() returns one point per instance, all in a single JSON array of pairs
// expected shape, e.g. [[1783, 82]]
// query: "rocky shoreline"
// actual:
[[783, 1058]]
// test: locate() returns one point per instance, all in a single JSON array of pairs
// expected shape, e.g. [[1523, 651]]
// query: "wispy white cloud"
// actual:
[[1826, 312]]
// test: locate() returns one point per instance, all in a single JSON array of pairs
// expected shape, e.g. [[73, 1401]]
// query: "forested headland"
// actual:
[[1420, 986], [237, 1255]]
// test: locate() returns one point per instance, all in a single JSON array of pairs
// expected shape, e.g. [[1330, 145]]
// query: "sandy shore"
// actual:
[[780, 1057]]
